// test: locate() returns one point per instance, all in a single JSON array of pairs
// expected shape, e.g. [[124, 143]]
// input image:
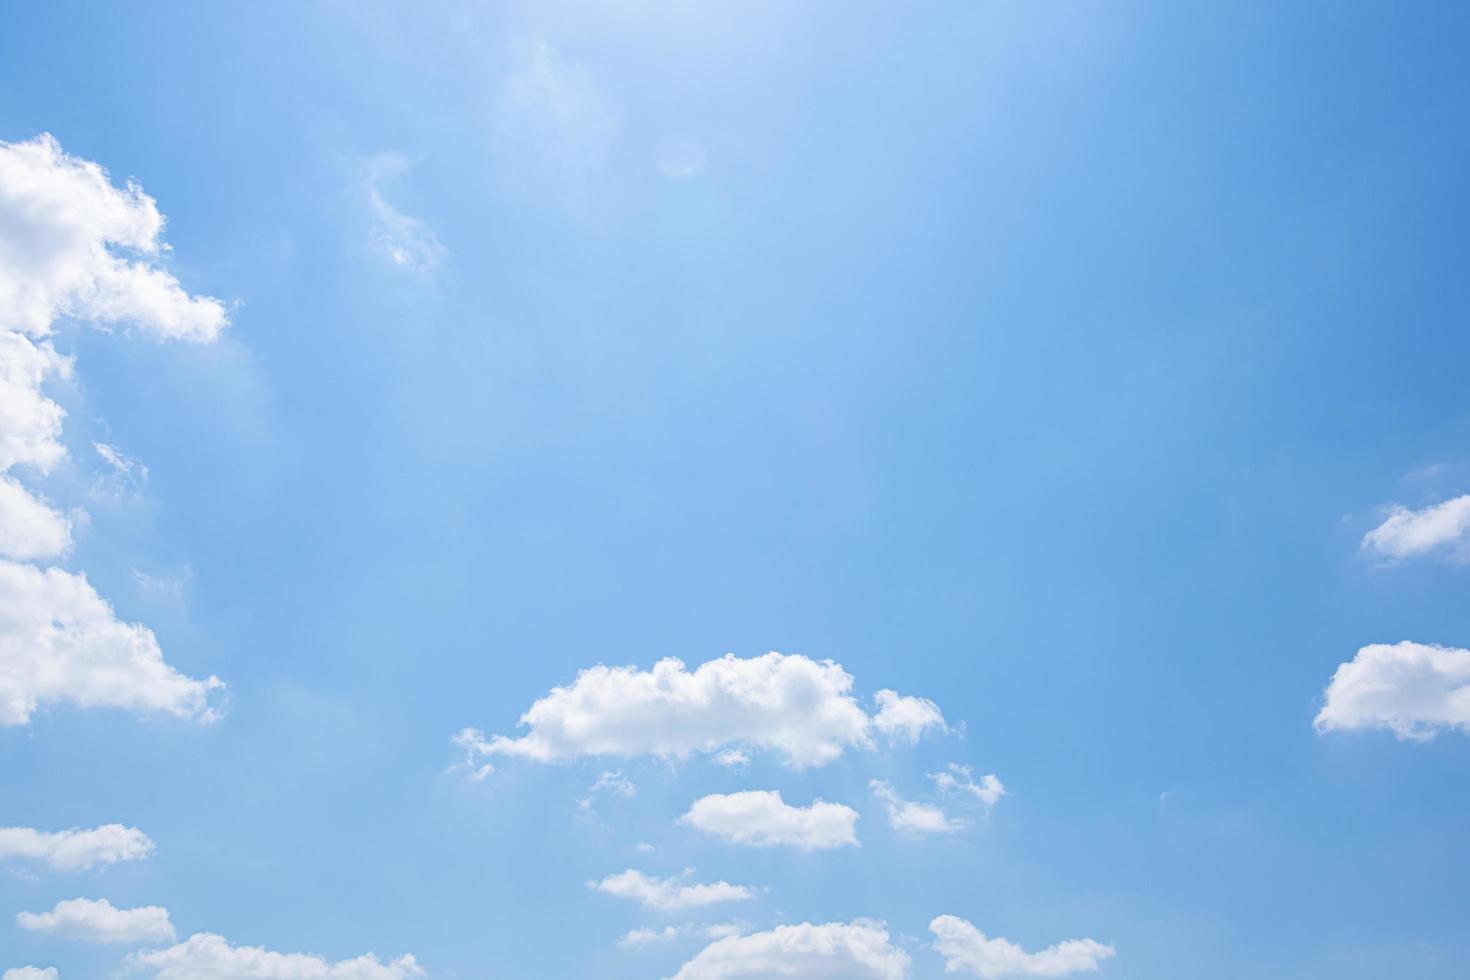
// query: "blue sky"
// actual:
[[1091, 375]]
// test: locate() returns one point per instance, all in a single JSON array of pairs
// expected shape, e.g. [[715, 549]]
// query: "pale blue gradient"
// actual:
[[1048, 360]]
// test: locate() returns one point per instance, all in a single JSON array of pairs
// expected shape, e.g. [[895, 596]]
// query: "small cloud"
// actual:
[[610, 783], [761, 818], [906, 718], [913, 819], [126, 474], [401, 240], [644, 937], [1414, 690], [733, 759], [1443, 528], [669, 894], [165, 590], [472, 742], [960, 780], [99, 921], [720, 930], [966, 948]]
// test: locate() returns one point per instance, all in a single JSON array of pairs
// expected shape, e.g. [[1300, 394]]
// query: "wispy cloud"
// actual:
[[554, 126], [401, 240]]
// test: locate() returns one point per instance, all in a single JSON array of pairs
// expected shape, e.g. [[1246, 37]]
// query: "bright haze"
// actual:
[[734, 490]]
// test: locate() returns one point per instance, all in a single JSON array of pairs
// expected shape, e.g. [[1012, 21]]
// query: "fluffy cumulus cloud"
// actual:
[[960, 781], [906, 718], [30, 422], [28, 528], [966, 948], [1411, 689], [76, 849], [99, 921], [1443, 528], [669, 894], [205, 956], [73, 245], [61, 642], [30, 973], [834, 951], [800, 708], [760, 818], [913, 819]]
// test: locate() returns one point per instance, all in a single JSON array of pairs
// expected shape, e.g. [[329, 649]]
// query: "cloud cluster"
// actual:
[[1411, 689], [966, 948], [834, 951], [669, 894], [30, 973], [913, 819], [802, 709], [760, 818], [73, 245], [205, 956], [960, 780], [1444, 527], [99, 921], [76, 849]]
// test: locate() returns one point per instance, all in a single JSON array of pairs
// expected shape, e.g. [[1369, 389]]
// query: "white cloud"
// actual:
[[75, 849], [30, 423], [1409, 533], [961, 780], [72, 244], [720, 930], [30, 973], [61, 642], [472, 743], [966, 948], [1411, 689], [554, 126], [402, 240], [99, 921], [908, 817], [610, 783], [904, 717], [645, 937], [760, 818], [28, 528], [205, 956], [128, 474], [834, 951], [796, 706], [669, 894], [733, 759]]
